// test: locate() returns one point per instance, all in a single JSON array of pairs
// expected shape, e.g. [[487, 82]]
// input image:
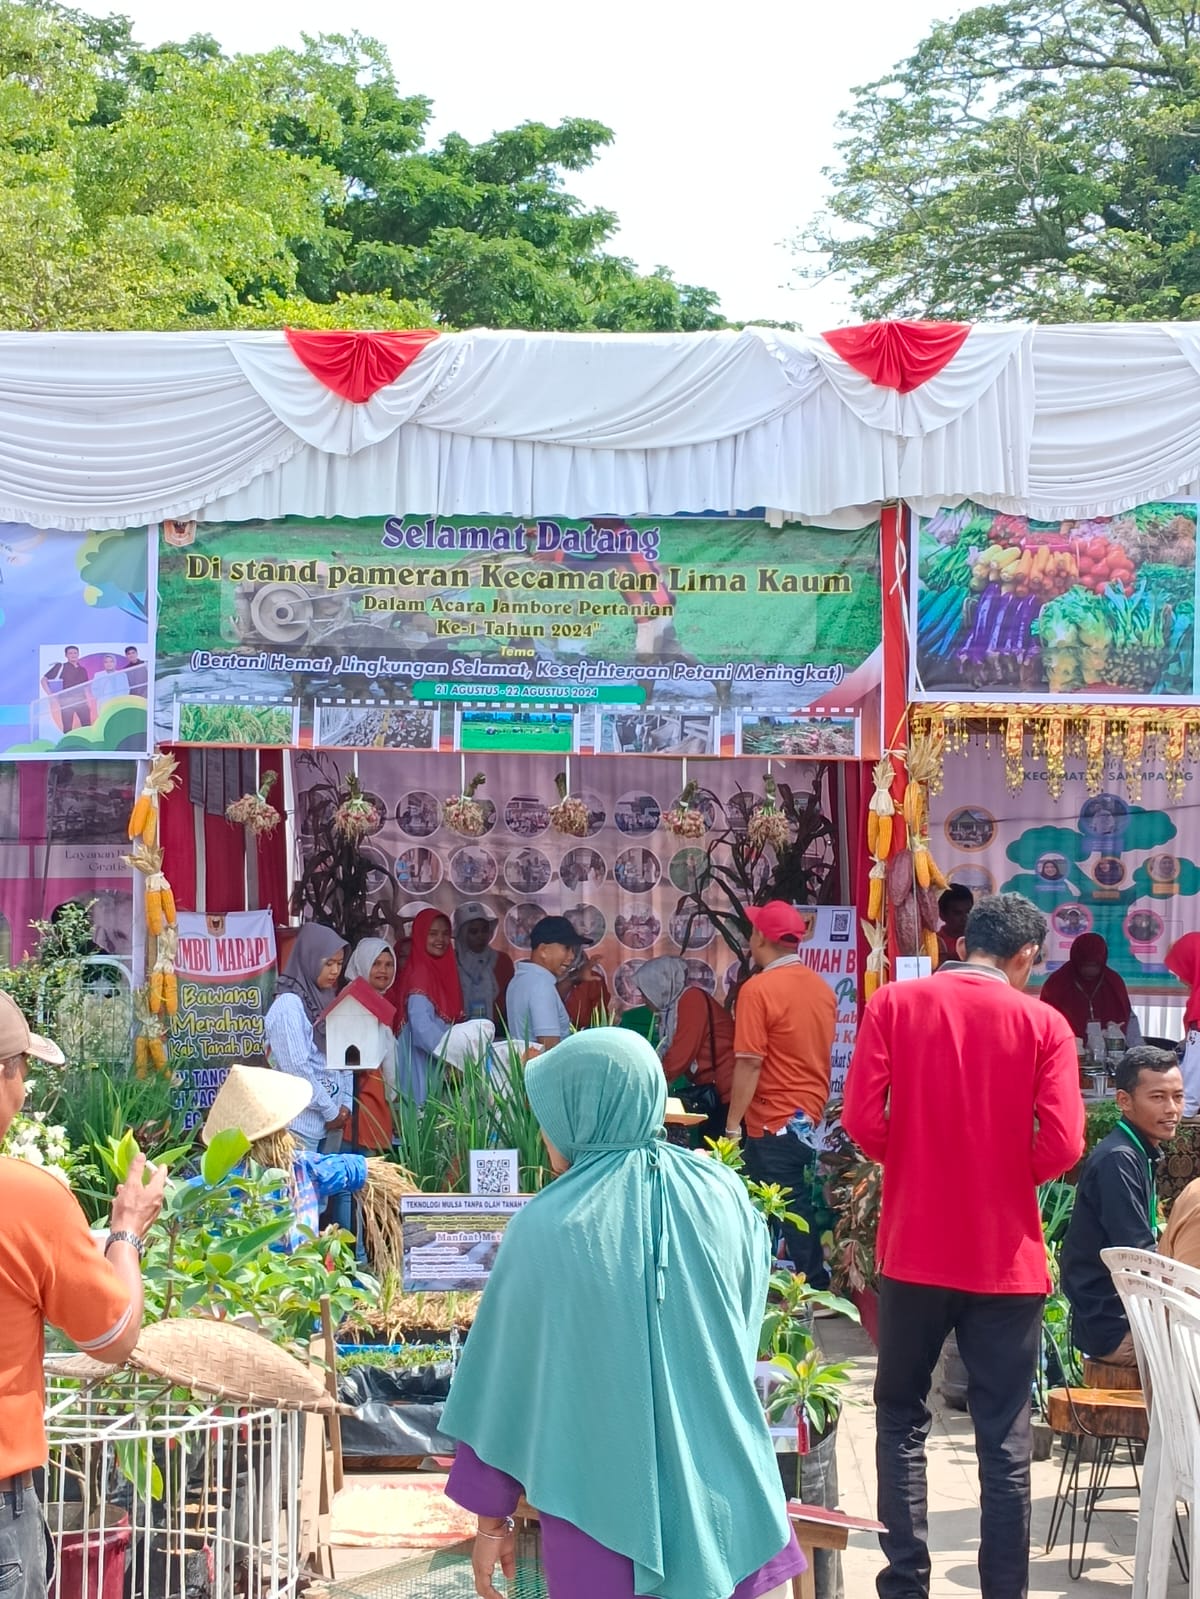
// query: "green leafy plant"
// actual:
[[1099, 1120], [215, 1250], [811, 1386], [464, 1110], [96, 1105]]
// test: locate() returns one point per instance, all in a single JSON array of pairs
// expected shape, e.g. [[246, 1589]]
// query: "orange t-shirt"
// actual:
[[372, 1126], [786, 1015], [50, 1271]]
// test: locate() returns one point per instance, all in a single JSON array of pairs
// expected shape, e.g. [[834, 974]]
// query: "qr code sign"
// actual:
[[495, 1171]]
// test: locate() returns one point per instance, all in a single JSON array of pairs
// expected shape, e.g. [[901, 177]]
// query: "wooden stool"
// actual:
[[1110, 1416], [1099, 1374], [818, 1528]]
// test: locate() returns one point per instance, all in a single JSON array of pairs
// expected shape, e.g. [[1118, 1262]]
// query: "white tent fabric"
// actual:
[[111, 430], [108, 430]]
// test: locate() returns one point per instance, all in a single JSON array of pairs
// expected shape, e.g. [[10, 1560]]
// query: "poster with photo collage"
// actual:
[[624, 885]]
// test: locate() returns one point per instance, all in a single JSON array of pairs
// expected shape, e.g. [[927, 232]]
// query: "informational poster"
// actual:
[[451, 1240], [1008, 608], [630, 885], [75, 641], [226, 971], [697, 636], [62, 838], [1096, 863], [831, 950]]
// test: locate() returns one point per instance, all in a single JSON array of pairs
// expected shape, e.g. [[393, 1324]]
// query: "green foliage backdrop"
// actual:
[[182, 188]]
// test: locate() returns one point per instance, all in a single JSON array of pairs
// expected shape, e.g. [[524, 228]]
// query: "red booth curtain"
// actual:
[[272, 849], [177, 835]]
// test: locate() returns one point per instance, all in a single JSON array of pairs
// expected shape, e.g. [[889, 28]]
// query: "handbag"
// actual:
[[702, 1099]]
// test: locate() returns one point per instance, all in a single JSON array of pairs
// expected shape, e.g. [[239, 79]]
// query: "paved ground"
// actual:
[[954, 1502]]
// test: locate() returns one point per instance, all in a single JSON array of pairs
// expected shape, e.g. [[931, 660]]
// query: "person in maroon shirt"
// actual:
[[967, 1090]]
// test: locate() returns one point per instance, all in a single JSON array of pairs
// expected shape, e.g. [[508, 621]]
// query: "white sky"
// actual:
[[723, 119]]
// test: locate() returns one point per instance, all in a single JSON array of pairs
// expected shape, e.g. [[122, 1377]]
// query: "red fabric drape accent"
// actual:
[[224, 866], [893, 534], [857, 788], [899, 355], [177, 835], [356, 365], [272, 850]]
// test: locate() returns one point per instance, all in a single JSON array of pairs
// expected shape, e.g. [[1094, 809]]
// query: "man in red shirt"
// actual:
[[967, 1090], [783, 1040]]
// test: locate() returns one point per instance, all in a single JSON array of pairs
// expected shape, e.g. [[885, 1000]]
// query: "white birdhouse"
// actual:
[[358, 1029]]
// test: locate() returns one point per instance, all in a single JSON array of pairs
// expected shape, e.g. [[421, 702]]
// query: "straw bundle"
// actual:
[[379, 1202]]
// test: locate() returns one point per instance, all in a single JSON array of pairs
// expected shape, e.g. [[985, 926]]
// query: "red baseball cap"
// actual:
[[777, 921]]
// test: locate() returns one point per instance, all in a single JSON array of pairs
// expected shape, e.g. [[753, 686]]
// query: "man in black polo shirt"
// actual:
[[1116, 1203]]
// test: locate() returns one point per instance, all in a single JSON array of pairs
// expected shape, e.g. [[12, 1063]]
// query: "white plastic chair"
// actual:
[[1153, 1293]]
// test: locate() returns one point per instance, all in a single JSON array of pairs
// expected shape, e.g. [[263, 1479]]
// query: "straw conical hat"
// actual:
[[257, 1101], [675, 1116]]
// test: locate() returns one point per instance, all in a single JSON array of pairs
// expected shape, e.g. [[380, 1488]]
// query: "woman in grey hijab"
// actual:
[[295, 1031]]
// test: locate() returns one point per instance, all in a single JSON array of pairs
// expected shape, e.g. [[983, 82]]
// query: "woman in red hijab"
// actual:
[[1183, 959], [428, 1002], [1087, 989]]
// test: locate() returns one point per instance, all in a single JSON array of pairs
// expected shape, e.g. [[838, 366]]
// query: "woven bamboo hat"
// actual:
[[257, 1101], [675, 1116]]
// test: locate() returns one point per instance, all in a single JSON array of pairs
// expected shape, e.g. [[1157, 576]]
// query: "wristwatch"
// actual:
[[124, 1236]]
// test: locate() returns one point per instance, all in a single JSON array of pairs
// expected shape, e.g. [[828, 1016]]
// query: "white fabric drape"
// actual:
[[111, 430], [106, 430]]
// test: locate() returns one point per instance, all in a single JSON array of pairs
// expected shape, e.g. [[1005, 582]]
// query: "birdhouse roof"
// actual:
[[361, 991]]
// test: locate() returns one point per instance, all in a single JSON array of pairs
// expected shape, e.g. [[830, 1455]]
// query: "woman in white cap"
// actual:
[[483, 972]]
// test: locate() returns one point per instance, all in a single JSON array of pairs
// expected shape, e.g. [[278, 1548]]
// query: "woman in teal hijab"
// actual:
[[609, 1373]]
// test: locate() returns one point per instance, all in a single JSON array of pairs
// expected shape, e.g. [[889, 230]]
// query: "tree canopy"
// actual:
[[1034, 158], [179, 187]]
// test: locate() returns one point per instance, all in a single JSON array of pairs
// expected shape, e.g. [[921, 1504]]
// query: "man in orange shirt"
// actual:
[[51, 1270], [783, 1039]]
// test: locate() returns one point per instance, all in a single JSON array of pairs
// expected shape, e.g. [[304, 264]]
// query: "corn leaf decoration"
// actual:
[[160, 998], [877, 961]]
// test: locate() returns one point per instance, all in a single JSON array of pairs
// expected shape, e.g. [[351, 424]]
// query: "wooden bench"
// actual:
[[818, 1528], [1109, 1417]]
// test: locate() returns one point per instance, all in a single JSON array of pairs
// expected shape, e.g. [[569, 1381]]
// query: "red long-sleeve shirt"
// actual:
[[968, 1093]]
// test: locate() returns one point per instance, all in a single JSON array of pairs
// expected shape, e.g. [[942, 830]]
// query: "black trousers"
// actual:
[[788, 1162], [999, 1338]]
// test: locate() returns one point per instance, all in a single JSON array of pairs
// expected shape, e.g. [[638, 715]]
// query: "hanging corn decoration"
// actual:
[[876, 971], [876, 881], [923, 762], [881, 811], [160, 999]]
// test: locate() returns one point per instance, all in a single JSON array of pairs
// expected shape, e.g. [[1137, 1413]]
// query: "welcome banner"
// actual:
[[226, 971], [698, 636]]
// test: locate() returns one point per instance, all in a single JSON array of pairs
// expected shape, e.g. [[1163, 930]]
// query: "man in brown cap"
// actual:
[[52, 1271]]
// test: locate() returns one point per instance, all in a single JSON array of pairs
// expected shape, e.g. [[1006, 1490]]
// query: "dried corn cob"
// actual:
[[137, 817], [141, 1054], [170, 993], [929, 939], [155, 920], [875, 891], [156, 992], [168, 903], [158, 1054]]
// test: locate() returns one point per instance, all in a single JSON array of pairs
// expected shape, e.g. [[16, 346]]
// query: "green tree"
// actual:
[[179, 187], [1033, 159]]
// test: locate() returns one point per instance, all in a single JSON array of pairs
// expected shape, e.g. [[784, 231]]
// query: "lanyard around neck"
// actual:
[[1151, 1196]]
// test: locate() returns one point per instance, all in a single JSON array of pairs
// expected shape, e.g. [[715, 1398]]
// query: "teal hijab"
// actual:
[[610, 1367]]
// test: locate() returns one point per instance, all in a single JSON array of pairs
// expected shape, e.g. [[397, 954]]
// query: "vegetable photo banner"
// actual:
[[1100, 610], [75, 642], [1097, 863], [226, 971], [697, 636]]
